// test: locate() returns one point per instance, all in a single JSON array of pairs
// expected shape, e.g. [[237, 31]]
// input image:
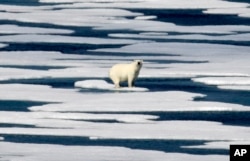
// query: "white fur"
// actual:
[[125, 72]]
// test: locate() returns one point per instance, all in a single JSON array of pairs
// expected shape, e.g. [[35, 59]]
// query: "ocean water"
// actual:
[[191, 100]]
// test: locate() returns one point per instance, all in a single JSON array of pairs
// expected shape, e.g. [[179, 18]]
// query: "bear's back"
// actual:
[[120, 70]]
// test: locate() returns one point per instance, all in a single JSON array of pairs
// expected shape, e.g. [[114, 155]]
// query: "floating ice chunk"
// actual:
[[235, 37], [29, 58], [146, 35], [94, 84], [223, 80], [107, 18], [233, 83], [122, 102], [28, 38], [217, 145], [236, 87], [43, 119], [159, 4], [2, 45], [14, 29], [19, 9], [128, 118], [152, 35], [94, 137], [145, 17], [14, 73], [42, 152], [103, 85], [245, 15], [242, 12], [193, 130]]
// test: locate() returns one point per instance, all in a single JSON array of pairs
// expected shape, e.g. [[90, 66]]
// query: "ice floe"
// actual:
[[217, 145], [44, 152], [224, 80], [2, 45], [72, 65], [236, 87], [234, 37], [233, 83], [33, 38], [157, 26], [173, 130], [71, 100], [14, 73], [103, 85], [14, 29], [108, 18], [157, 4], [87, 17], [43, 118], [242, 12], [232, 57]]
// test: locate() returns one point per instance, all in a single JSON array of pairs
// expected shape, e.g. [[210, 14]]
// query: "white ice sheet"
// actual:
[[103, 85]]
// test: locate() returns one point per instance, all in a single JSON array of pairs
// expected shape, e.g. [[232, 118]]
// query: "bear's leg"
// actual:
[[133, 83], [117, 84], [130, 82]]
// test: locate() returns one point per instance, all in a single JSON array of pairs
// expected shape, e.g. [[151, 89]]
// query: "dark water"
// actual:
[[147, 144], [21, 106], [20, 2], [193, 17]]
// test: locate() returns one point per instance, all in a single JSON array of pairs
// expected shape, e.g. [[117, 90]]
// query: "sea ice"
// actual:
[[103, 85], [235, 87], [242, 12], [235, 37], [33, 38], [14, 29], [156, 4], [223, 80], [45, 152], [2, 45]]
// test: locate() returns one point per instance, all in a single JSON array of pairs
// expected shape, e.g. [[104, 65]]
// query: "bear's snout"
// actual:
[[138, 63]]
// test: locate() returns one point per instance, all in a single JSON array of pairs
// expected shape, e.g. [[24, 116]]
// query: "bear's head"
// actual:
[[138, 63]]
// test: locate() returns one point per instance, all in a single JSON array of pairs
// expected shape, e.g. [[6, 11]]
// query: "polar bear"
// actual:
[[125, 72]]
